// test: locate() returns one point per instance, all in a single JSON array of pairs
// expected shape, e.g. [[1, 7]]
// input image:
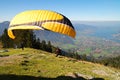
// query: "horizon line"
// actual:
[[84, 21]]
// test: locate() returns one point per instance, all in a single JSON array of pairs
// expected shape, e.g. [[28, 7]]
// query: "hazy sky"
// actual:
[[87, 10]]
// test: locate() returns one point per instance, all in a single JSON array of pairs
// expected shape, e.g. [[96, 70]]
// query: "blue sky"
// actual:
[[83, 10]]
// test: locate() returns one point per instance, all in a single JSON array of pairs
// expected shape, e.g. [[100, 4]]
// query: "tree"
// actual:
[[49, 47], [6, 41], [25, 36], [37, 44], [43, 45]]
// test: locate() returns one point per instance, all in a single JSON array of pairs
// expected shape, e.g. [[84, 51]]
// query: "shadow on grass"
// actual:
[[25, 77]]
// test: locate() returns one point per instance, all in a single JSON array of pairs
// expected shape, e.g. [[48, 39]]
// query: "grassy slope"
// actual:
[[35, 64]]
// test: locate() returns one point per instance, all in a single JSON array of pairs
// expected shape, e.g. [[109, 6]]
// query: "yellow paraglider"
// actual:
[[41, 20]]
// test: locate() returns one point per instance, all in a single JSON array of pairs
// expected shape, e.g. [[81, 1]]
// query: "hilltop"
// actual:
[[32, 64]]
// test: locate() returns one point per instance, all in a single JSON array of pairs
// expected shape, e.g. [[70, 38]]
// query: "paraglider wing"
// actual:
[[42, 20]]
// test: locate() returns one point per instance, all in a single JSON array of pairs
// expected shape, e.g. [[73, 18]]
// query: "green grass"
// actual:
[[32, 64]]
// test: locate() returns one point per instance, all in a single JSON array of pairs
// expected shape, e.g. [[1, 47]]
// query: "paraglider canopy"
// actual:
[[41, 20]]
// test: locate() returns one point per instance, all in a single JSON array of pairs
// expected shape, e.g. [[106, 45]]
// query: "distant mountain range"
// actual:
[[3, 25], [105, 30], [108, 30]]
